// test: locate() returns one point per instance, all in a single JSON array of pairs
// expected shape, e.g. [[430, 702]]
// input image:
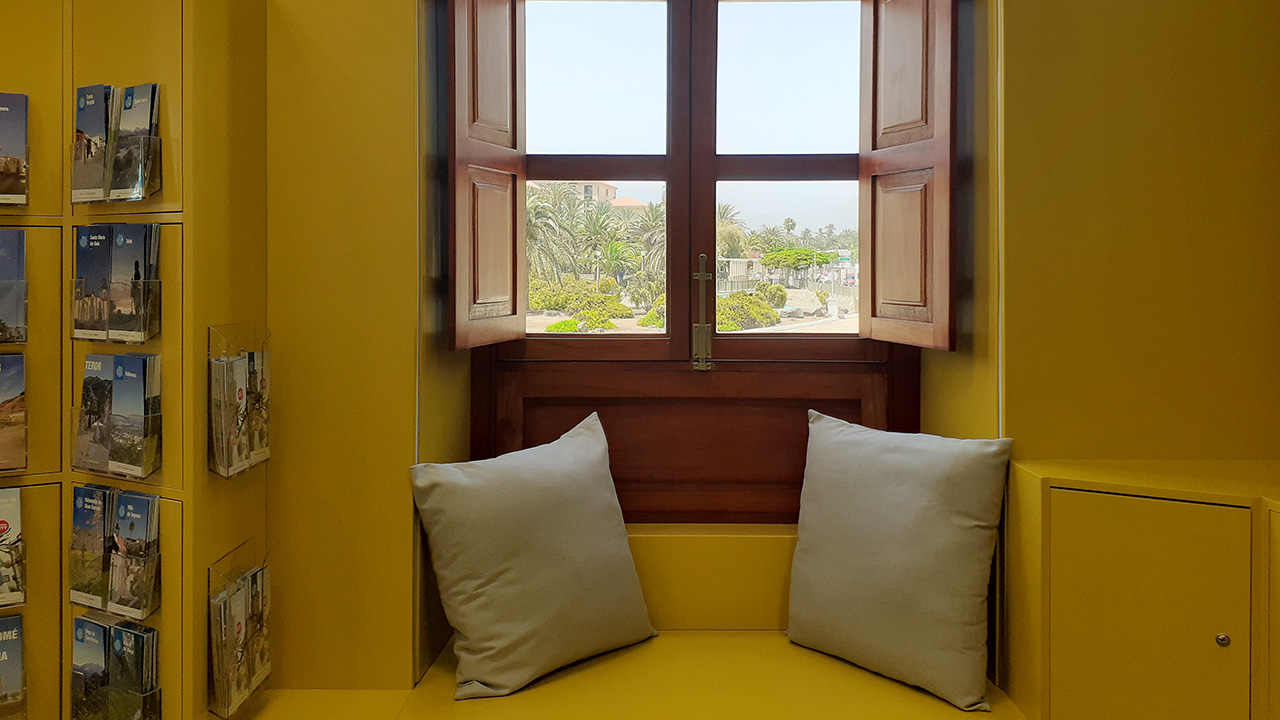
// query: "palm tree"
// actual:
[[731, 237], [619, 257], [649, 230], [550, 210]]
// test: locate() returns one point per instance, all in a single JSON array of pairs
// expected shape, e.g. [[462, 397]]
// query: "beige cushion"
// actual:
[[894, 553], [531, 556]]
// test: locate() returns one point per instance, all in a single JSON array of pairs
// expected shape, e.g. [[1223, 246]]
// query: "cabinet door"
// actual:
[[1140, 589]]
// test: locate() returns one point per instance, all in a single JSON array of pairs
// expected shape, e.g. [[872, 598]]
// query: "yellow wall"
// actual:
[[959, 394], [343, 305], [1140, 229]]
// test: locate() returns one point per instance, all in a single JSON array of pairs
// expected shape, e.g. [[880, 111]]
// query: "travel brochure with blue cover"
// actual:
[[90, 511], [134, 557], [14, 170], [13, 285], [119, 427], [139, 120], [91, 152], [116, 293], [89, 687], [92, 282], [132, 671]]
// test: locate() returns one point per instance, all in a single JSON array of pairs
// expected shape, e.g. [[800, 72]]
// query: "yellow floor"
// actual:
[[679, 674]]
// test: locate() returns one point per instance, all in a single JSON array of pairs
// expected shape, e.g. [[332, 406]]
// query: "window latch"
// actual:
[[702, 330]]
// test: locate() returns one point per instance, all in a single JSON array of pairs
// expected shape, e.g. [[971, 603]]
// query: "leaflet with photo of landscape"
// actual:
[[139, 120], [92, 282], [14, 169], [133, 315], [134, 449], [89, 686], [13, 412], [134, 558], [92, 450], [13, 677], [131, 672], [90, 513], [90, 159], [13, 285], [13, 561]]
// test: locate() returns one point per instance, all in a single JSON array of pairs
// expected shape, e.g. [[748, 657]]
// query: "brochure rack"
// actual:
[[133, 585], [239, 398], [13, 573], [15, 180], [130, 171], [239, 631], [126, 313], [14, 289]]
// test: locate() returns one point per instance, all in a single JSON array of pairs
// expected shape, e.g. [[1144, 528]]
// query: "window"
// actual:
[[693, 185]]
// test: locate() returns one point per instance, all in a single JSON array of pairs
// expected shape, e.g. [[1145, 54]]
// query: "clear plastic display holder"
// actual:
[[13, 299], [239, 398], [90, 704], [126, 313], [133, 584], [115, 446], [15, 180], [130, 170], [239, 631], [134, 706], [13, 573]]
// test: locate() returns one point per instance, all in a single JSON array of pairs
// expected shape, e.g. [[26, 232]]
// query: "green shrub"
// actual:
[[657, 315], [744, 311], [564, 326], [557, 296], [609, 286], [772, 293], [822, 297], [594, 319], [644, 288], [611, 306]]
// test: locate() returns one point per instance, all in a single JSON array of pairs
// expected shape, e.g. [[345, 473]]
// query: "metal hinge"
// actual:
[[702, 330]]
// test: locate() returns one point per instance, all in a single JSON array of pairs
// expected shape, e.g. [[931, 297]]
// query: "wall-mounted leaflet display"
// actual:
[[116, 151], [116, 291], [115, 551], [114, 669], [119, 428], [239, 629], [15, 188], [239, 398], [13, 551]]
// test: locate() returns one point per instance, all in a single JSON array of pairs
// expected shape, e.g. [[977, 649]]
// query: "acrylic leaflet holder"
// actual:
[[124, 585], [239, 631], [117, 312], [239, 398], [128, 170], [132, 705], [15, 179]]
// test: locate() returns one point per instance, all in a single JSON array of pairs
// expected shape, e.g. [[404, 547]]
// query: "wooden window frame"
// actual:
[[691, 168]]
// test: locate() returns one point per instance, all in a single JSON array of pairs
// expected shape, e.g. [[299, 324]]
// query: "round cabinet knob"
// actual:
[[1223, 639]]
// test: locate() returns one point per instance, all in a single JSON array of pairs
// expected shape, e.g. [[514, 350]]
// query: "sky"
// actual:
[[129, 249], [83, 652], [13, 125], [787, 83], [127, 392], [93, 264]]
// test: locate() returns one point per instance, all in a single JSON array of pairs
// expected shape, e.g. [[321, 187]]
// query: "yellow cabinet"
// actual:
[[1274, 685], [1149, 612]]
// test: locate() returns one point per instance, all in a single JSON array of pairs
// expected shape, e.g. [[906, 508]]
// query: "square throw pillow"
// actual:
[[894, 554], [531, 556]]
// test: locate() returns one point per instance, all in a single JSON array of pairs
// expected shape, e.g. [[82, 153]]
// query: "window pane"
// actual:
[[597, 257], [787, 77], [596, 79], [787, 257]]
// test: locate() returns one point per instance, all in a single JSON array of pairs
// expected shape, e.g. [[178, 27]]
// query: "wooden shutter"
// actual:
[[486, 221], [905, 215]]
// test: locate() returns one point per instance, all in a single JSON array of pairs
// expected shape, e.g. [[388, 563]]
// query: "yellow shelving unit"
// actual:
[[209, 57]]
